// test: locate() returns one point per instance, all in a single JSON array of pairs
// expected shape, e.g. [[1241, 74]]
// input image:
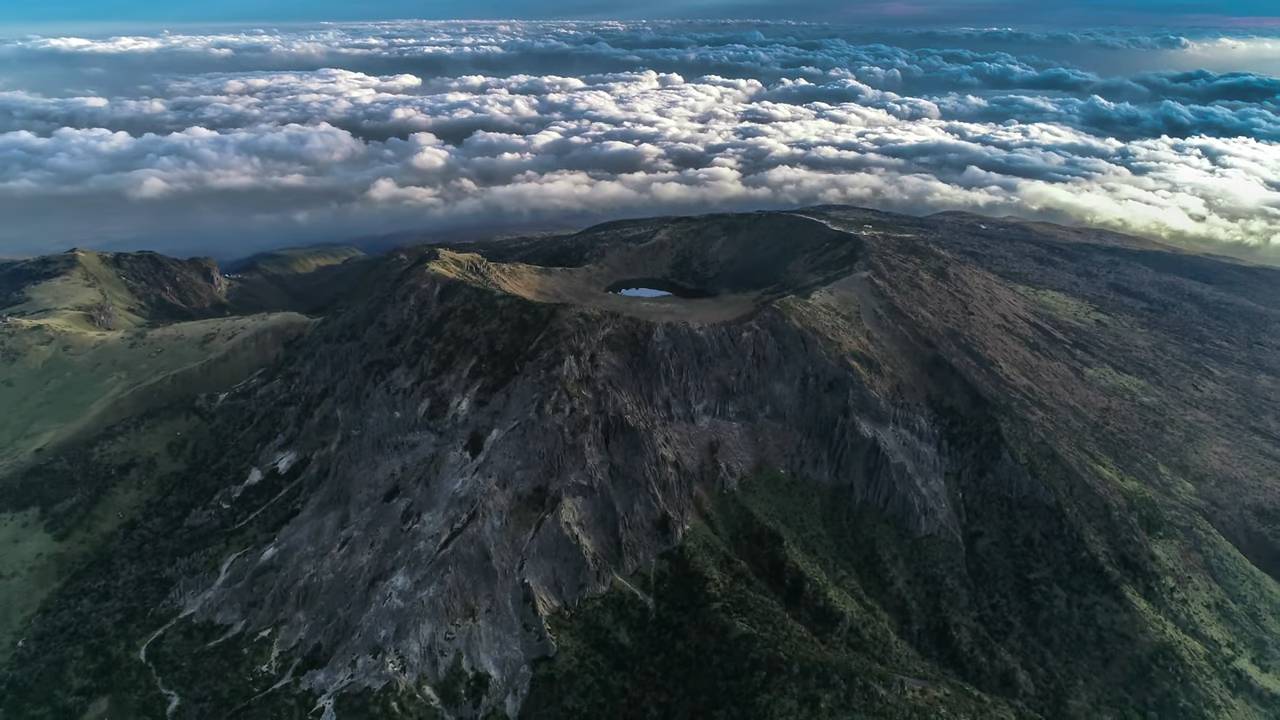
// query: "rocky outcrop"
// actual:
[[168, 289]]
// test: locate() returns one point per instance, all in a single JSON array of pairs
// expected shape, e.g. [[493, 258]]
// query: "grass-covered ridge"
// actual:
[[296, 261], [58, 381]]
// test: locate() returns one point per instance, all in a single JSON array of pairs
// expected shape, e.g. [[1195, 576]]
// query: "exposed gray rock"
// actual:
[[496, 459]]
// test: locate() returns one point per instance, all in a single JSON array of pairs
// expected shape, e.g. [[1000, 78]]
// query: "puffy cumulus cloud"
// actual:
[[1124, 120], [72, 162], [284, 136]]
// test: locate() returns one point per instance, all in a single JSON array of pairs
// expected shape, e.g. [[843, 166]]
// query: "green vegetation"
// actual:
[[786, 602], [308, 280], [1115, 381], [89, 382], [299, 260], [28, 570], [84, 343], [254, 680], [1063, 306], [81, 649], [59, 383], [74, 503], [758, 613], [61, 291]]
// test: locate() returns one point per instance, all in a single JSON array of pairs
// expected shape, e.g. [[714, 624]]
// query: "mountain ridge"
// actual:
[[938, 450]]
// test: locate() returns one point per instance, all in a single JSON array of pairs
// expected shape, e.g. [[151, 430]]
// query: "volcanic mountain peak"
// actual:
[[853, 460], [714, 269]]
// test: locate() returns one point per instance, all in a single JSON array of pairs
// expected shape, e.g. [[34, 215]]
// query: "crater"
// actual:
[[643, 292], [655, 288], [692, 270]]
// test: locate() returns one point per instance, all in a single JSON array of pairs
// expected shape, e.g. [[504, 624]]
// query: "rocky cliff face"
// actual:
[[502, 459], [950, 452], [172, 289]]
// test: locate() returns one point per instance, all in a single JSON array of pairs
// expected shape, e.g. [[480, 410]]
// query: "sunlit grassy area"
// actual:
[[301, 260], [59, 381]]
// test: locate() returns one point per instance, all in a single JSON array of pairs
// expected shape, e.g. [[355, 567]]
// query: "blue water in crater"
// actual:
[[642, 292]]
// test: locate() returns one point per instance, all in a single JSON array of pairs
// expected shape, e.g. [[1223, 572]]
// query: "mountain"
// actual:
[[844, 463], [307, 279]]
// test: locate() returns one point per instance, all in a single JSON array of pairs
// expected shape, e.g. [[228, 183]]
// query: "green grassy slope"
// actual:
[[308, 279], [59, 381], [87, 350], [62, 387], [296, 261]]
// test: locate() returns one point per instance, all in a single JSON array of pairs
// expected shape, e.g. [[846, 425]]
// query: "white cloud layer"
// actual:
[[222, 143]]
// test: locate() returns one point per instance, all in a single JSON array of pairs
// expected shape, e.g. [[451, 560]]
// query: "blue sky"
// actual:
[[1240, 13]]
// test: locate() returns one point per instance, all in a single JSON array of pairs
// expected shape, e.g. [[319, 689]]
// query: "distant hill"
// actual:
[[295, 261], [106, 291], [306, 279]]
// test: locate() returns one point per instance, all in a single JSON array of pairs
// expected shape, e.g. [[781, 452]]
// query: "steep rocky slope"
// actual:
[[854, 462]]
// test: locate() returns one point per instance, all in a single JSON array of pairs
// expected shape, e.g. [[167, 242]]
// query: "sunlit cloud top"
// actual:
[[228, 139]]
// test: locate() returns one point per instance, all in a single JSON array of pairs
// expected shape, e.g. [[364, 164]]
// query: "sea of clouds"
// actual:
[[229, 140]]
